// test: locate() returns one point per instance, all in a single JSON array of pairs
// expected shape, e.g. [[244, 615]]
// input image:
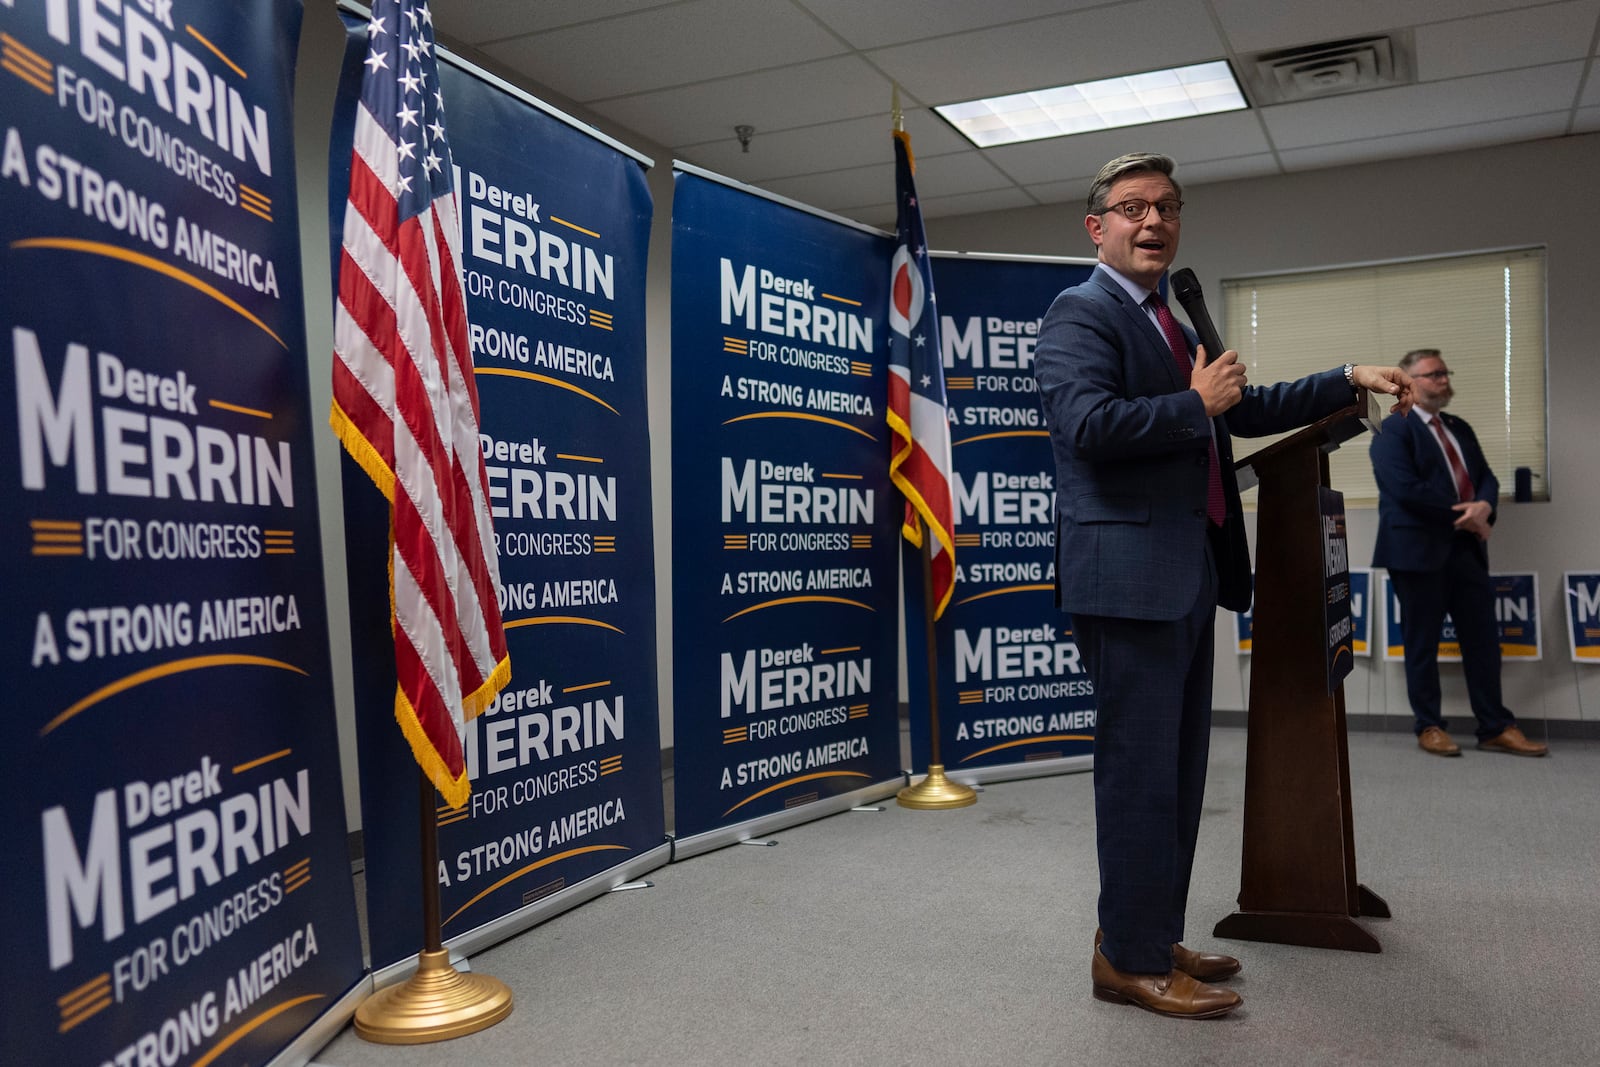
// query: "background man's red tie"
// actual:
[[1216, 507], [1457, 468]]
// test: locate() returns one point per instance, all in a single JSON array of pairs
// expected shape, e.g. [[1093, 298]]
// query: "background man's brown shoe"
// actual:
[[1512, 740], [1437, 742], [1173, 994]]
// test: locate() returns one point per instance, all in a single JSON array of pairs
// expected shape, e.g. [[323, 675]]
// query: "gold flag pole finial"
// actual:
[[897, 117]]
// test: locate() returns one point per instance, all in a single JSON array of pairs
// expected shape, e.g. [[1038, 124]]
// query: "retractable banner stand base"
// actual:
[[1013, 772], [750, 829], [471, 942]]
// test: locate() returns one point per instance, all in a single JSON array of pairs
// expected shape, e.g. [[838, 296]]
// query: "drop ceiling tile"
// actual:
[[959, 172], [1591, 87], [660, 47], [1458, 102], [1080, 46], [477, 21], [872, 25], [1236, 133], [1227, 170], [1191, 175], [770, 100], [1505, 40], [828, 146], [1586, 120], [1069, 191], [1262, 25], [934, 207], [1426, 142], [838, 188], [881, 216]]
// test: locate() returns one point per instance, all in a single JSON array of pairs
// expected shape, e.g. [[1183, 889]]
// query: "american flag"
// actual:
[[404, 401], [920, 463]]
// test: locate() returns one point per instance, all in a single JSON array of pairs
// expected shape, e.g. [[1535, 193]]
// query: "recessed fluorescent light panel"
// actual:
[[1203, 89]]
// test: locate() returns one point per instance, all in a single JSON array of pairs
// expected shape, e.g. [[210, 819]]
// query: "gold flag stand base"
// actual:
[[435, 1004], [936, 792]]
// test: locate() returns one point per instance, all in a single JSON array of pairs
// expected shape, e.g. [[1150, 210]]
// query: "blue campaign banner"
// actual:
[[1583, 615], [1360, 618], [1360, 611], [1516, 610], [784, 520], [175, 875], [565, 765], [1394, 646], [1012, 689]]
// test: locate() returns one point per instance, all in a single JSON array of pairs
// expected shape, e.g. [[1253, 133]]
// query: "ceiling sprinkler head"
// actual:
[[744, 133]]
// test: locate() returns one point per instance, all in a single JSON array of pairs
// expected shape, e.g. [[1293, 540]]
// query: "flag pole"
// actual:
[[935, 792], [928, 479], [438, 1002], [404, 187]]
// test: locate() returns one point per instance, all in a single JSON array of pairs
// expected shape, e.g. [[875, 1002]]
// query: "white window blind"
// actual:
[[1484, 312]]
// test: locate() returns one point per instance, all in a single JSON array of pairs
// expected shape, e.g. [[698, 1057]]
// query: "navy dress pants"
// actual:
[[1463, 588], [1152, 684]]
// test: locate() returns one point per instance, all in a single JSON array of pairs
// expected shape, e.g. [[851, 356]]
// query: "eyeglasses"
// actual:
[[1435, 375], [1136, 210]]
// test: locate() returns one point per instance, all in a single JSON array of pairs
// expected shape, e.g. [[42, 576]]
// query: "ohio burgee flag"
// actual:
[[404, 401], [919, 464]]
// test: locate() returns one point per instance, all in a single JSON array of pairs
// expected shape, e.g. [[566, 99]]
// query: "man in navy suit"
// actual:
[[1149, 540], [1436, 508]]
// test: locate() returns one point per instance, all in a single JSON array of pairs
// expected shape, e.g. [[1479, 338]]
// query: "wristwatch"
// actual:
[[1350, 374]]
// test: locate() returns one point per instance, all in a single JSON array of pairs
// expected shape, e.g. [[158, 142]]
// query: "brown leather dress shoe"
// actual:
[[1200, 966], [1512, 740], [1436, 741], [1173, 994], [1203, 966]]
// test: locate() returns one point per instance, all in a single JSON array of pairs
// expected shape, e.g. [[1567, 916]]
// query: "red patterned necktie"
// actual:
[[1216, 506], [1457, 468]]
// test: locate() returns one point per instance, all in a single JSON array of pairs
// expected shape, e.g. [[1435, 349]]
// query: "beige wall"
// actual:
[[1540, 192]]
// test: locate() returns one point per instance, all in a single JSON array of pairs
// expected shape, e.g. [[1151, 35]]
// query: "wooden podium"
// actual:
[[1298, 881]]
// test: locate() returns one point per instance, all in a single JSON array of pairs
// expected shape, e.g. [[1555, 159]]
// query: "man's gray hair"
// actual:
[[1122, 167], [1411, 357]]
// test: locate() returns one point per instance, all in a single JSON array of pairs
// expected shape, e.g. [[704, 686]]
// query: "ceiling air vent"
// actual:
[[1329, 69]]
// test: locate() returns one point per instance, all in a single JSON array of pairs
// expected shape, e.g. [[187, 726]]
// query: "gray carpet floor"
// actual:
[[963, 937]]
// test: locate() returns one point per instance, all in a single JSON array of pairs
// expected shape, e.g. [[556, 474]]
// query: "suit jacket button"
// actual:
[[1199, 513]]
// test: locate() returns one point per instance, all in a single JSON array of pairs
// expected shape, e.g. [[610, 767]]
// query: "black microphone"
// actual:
[[1186, 287]]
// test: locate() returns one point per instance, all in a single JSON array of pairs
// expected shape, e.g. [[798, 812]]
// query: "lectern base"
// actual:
[[1298, 928], [1370, 904]]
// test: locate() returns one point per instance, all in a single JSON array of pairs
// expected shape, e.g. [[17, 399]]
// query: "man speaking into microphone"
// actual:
[[1149, 540]]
